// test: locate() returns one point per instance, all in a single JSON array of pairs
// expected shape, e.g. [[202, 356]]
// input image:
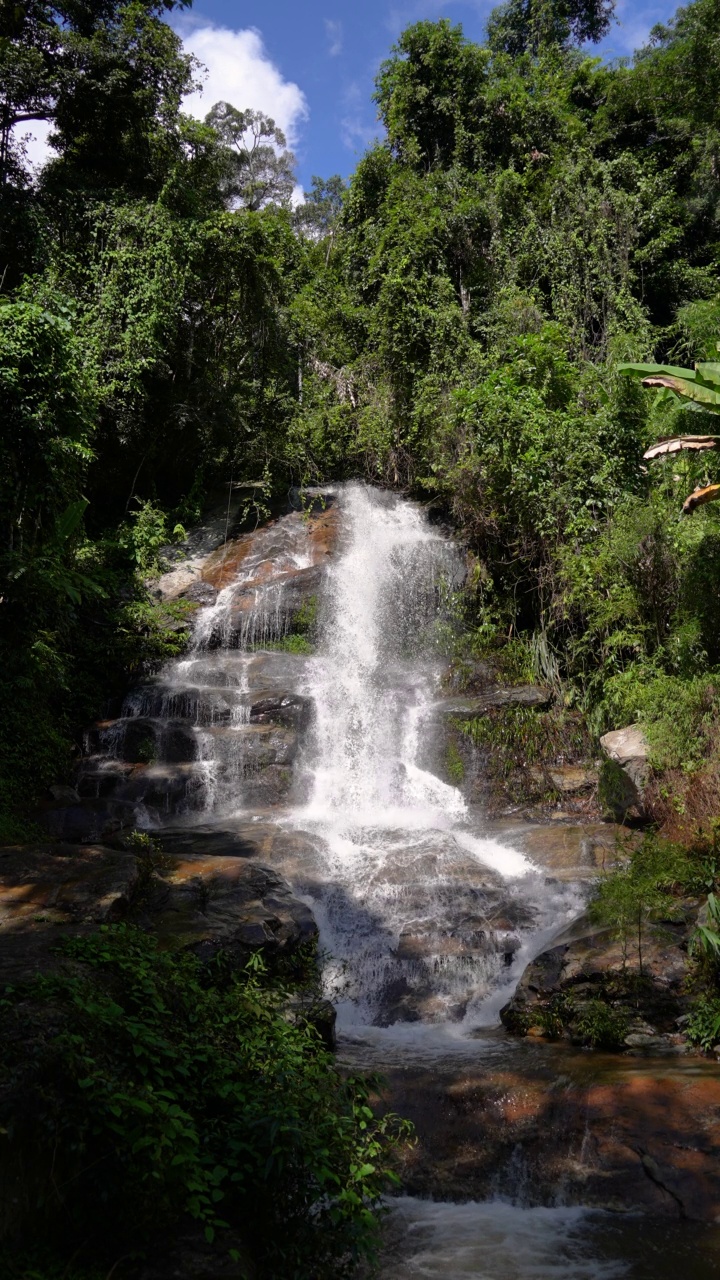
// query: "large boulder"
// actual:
[[212, 904], [624, 772], [637, 987]]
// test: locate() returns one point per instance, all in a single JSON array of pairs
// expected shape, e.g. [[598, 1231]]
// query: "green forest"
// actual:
[[451, 323]]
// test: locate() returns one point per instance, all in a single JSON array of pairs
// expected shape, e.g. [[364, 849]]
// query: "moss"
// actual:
[[454, 764], [616, 793], [290, 644], [514, 740]]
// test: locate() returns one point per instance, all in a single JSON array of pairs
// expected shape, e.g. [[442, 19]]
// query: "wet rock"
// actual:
[[63, 795], [549, 1122], [201, 593], [94, 819], [268, 787], [279, 599], [624, 772], [570, 850], [589, 963], [245, 841], [273, 547], [527, 695], [231, 905], [289, 709]]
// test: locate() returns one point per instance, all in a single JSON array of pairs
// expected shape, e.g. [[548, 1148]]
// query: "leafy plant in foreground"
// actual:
[[149, 1087]]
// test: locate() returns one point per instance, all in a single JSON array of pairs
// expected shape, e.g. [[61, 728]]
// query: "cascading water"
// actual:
[[423, 918], [427, 921]]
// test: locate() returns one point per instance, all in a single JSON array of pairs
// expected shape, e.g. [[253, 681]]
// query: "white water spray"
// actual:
[[423, 916]]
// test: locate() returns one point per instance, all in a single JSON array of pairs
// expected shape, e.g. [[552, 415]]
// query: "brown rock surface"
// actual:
[[569, 850], [229, 904], [206, 902], [613, 1133], [50, 891]]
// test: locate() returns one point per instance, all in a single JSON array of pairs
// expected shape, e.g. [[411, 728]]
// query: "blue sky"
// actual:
[[313, 64]]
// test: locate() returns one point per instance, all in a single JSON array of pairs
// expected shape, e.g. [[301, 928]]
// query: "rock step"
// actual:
[[220, 705], [153, 741], [524, 695]]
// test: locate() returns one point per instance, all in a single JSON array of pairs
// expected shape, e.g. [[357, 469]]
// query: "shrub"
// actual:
[[703, 1025], [638, 892], [599, 1025], [154, 1088]]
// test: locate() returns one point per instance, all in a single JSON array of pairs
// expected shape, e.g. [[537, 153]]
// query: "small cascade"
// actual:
[[216, 728]]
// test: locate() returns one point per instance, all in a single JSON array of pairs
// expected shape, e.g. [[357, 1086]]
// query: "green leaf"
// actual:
[[67, 523], [687, 389], [708, 373], [647, 370]]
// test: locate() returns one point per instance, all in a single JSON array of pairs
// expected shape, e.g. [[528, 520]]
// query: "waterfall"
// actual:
[[426, 921], [374, 679]]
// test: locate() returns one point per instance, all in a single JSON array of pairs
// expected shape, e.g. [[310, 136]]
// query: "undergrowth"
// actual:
[[141, 1089]]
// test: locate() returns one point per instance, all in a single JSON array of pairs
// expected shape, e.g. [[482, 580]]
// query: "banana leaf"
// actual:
[[677, 443], [688, 390], [698, 499], [708, 373], [671, 370]]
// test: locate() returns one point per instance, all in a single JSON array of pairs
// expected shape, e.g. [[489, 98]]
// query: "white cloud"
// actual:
[[34, 134], [334, 33], [240, 71]]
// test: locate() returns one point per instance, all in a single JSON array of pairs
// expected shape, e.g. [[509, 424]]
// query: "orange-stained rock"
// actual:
[[548, 1122], [315, 535]]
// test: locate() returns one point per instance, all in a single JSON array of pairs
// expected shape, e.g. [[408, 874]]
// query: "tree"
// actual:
[[430, 94], [256, 172], [522, 26], [319, 216], [108, 75]]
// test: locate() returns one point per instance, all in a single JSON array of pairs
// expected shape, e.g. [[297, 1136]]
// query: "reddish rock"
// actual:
[[614, 1133]]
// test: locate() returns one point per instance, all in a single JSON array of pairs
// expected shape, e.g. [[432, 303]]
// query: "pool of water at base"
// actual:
[[496, 1240]]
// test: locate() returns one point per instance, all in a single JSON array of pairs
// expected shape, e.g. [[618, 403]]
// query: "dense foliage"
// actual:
[[156, 1089], [452, 323]]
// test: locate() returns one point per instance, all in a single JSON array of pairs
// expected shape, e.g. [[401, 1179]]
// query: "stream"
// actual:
[[427, 916]]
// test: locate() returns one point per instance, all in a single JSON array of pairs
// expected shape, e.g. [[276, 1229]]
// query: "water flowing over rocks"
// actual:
[[546, 1125]]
